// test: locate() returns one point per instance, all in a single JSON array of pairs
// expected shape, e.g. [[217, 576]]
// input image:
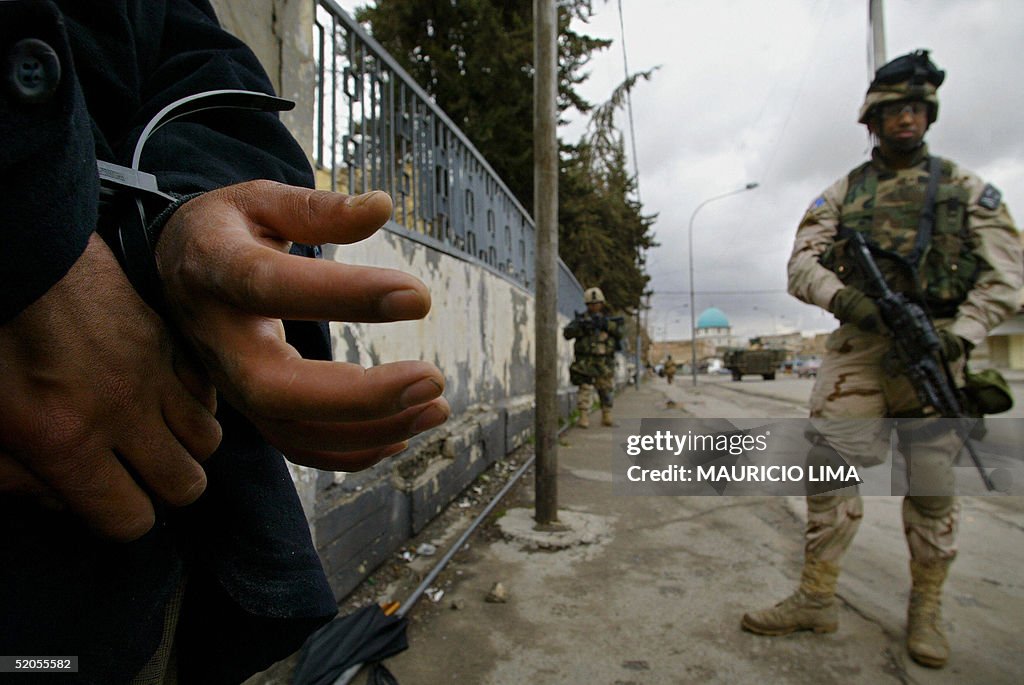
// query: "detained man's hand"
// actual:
[[229, 281], [99, 413]]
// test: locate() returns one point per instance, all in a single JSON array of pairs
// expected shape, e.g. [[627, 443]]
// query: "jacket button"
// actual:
[[33, 71]]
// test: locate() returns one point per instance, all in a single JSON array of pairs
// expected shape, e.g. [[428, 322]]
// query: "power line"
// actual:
[[799, 90], [629, 104]]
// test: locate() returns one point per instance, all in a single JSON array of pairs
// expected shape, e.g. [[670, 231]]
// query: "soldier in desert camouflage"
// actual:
[[670, 369], [597, 337], [966, 272]]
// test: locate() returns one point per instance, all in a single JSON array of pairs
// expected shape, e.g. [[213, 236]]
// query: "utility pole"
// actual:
[[876, 37], [639, 344], [545, 214]]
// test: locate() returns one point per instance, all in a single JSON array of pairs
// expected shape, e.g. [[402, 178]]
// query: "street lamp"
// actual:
[[693, 311]]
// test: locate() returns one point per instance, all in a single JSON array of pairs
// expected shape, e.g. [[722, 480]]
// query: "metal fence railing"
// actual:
[[376, 128]]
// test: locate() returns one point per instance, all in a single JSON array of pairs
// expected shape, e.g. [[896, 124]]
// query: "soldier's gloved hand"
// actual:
[[850, 305], [953, 346]]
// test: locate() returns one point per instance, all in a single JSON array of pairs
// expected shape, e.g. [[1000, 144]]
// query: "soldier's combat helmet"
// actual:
[[910, 77], [592, 295]]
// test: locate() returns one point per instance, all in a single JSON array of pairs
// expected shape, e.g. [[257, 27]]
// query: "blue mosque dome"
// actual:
[[712, 318]]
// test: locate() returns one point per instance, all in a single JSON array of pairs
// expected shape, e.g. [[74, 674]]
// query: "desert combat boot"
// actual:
[[812, 607], [584, 420], [926, 642], [606, 418]]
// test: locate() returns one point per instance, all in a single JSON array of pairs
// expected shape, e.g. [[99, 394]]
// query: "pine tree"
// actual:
[[475, 58]]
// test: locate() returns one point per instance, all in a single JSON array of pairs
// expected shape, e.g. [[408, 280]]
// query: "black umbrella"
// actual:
[[365, 636]]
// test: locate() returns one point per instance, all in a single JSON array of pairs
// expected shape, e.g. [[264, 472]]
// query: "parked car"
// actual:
[[808, 368]]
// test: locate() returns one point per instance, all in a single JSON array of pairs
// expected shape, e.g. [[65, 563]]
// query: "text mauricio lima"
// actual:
[[743, 474]]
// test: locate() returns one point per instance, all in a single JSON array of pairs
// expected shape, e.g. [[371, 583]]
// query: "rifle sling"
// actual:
[[926, 222]]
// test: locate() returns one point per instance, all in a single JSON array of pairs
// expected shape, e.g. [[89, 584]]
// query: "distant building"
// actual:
[[714, 330], [681, 351], [791, 342]]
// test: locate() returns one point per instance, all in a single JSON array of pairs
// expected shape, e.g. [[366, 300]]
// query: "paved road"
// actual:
[[656, 595], [718, 396], [784, 394]]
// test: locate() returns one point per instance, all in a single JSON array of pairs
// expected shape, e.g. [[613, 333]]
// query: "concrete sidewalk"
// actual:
[[654, 590]]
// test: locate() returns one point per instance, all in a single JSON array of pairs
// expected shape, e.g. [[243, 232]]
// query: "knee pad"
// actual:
[[930, 506]]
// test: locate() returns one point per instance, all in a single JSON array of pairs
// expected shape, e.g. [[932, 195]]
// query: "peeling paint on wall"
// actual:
[[480, 331]]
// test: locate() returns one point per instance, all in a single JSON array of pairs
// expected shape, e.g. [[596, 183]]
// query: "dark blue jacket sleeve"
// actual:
[[137, 56], [48, 181], [121, 62]]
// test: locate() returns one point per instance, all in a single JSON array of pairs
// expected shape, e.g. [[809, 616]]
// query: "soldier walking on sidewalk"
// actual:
[[597, 337]]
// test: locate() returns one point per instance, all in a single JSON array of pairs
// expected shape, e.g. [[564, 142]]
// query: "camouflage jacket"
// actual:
[[596, 335], [973, 263]]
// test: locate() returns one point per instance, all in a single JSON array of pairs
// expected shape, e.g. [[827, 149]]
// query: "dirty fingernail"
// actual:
[[430, 417], [404, 304], [360, 200], [421, 391]]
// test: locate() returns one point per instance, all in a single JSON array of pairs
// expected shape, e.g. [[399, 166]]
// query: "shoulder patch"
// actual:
[[990, 197], [818, 203]]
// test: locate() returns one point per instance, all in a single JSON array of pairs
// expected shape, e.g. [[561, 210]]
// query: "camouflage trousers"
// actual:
[[593, 373], [833, 520], [854, 392], [602, 387]]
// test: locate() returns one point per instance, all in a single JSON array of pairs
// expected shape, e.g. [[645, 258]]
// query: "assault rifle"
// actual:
[[583, 321], [597, 321], [918, 348]]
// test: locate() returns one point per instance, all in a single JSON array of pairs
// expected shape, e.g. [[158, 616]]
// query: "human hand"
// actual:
[[953, 346], [99, 412], [229, 281], [850, 305]]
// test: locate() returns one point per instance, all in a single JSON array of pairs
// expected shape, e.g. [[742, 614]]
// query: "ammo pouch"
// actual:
[[986, 392], [948, 268]]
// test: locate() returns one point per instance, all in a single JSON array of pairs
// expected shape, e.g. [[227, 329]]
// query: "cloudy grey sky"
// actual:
[[768, 92]]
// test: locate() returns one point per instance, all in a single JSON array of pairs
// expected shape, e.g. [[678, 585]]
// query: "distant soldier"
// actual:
[[944, 239], [670, 368], [597, 337]]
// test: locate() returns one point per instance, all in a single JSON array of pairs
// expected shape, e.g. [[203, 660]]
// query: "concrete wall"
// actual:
[[480, 329], [480, 333]]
